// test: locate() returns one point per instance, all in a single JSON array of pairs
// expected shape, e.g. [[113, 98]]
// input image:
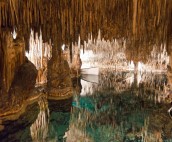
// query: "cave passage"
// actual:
[[86, 70]]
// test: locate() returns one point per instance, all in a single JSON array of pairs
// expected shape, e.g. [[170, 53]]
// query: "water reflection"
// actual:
[[150, 85], [118, 106], [19, 130], [39, 129], [45, 121], [123, 106], [52, 121]]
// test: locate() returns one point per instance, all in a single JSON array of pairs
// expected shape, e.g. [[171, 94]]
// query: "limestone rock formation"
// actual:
[[76, 64], [25, 78], [12, 56], [73, 60], [59, 80], [22, 88], [39, 54], [147, 20], [143, 22], [169, 75]]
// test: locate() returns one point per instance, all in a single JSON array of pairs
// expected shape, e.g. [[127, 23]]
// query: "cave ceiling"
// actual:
[[65, 20]]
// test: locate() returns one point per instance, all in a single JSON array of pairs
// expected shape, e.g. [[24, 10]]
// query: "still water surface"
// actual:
[[114, 107]]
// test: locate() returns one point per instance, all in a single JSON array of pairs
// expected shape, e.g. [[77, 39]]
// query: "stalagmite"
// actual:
[[112, 54], [39, 54]]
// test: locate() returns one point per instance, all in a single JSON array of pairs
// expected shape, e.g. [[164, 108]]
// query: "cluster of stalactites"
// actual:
[[112, 54], [157, 62], [39, 54], [118, 16], [74, 58], [103, 53]]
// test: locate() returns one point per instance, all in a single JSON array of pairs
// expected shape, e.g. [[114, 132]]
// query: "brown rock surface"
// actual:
[[12, 56], [22, 88], [59, 80], [148, 20], [76, 65], [25, 78], [169, 75]]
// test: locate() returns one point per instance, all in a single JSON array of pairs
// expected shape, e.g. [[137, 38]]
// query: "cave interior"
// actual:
[[86, 70]]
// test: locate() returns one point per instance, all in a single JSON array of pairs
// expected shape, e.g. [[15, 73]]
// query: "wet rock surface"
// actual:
[[23, 123]]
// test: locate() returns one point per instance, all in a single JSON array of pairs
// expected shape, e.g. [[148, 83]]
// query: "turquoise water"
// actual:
[[121, 107]]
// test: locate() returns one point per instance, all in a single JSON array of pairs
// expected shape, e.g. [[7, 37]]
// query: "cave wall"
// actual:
[[12, 56]]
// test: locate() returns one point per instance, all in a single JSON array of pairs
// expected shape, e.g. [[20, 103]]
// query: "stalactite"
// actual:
[[112, 54], [82, 17], [39, 54], [134, 15]]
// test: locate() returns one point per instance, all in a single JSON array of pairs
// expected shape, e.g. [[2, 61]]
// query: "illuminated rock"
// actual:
[[59, 79], [39, 54], [21, 89], [12, 57], [112, 54]]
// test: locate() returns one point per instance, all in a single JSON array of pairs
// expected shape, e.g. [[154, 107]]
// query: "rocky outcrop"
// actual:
[[22, 88], [39, 54], [25, 78], [142, 22]]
